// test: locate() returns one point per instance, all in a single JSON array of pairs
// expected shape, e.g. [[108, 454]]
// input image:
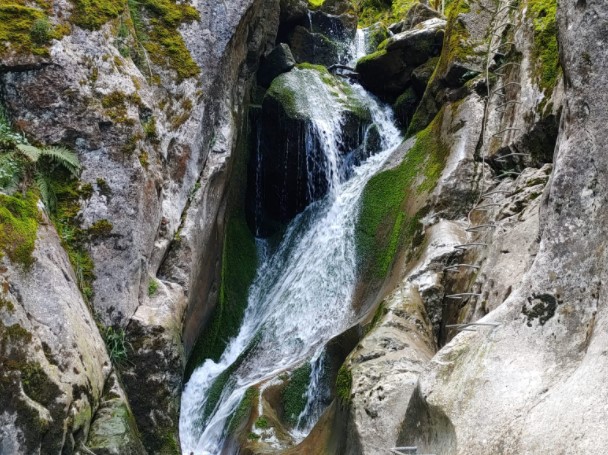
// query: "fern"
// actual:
[[47, 194], [11, 172], [60, 155]]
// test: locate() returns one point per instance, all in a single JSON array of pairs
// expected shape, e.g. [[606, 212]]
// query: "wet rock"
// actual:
[[375, 34], [316, 48], [279, 61], [405, 106], [422, 75], [387, 71], [290, 145], [293, 12], [340, 28]]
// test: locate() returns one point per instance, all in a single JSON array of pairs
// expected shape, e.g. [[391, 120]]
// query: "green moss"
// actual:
[[7, 304], [100, 229], [373, 56], [294, 397], [15, 333], [19, 218], [74, 239], [216, 389], [152, 287], [239, 264], [384, 225], [314, 4], [164, 44], [170, 444], [92, 14], [243, 411], [457, 47], [262, 423], [37, 385], [344, 384], [21, 30], [545, 51]]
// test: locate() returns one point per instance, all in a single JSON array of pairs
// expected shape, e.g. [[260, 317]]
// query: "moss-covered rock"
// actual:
[[19, 218], [545, 52], [239, 265], [392, 203], [462, 58], [293, 398]]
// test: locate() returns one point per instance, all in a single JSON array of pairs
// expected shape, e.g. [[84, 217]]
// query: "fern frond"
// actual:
[[47, 194], [11, 172], [64, 157], [30, 152]]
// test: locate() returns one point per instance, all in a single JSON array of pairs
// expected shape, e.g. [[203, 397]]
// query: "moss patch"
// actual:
[[545, 51], [243, 411], [344, 384], [19, 218], [294, 395], [92, 14], [215, 392], [24, 28], [164, 44], [386, 221], [239, 264], [74, 239]]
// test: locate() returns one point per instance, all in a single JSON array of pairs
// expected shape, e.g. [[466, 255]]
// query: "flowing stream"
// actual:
[[301, 296]]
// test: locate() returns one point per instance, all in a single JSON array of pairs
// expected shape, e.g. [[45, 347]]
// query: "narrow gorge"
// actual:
[[303, 227]]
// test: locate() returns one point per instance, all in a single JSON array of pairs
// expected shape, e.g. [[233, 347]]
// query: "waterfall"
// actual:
[[300, 298]]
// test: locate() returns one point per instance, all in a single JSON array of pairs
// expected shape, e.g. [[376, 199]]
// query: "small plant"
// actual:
[[22, 164], [262, 422], [41, 31], [152, 287], [117, 344]]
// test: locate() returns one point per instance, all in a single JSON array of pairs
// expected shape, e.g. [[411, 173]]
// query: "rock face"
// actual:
[[548, 344], [387, 72], [53, 362], [279, 61], [518, 263], [156, 137], [297, 132]]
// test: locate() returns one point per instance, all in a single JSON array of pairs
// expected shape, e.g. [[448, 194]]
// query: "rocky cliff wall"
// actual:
[[153, 104]]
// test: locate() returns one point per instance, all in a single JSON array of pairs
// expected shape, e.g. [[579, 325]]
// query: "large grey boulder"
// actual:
[[418, 13], [310, 47], [279, 61], [387, 71]]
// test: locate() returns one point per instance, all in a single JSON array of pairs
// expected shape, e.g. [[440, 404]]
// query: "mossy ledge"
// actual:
[[294, 395], [390, 208]]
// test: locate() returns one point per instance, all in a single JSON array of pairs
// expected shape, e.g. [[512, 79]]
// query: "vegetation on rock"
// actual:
[[385, 221], [545, 51], [294, 395], [344, 384]]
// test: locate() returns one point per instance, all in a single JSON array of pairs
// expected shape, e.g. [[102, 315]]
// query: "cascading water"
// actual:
[[301, 296]]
